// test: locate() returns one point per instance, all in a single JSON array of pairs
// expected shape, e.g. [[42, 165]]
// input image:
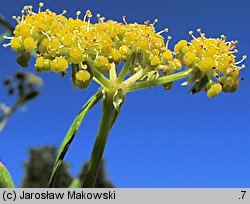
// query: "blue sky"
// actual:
[[161, 139]]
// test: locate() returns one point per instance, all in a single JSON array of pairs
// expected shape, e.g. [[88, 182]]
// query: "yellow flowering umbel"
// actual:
[[212, 61], [92, 49], [59, 42]]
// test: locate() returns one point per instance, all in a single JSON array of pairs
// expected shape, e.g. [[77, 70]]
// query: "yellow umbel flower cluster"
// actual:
[[60, 41], [92, 49], [214, 58]]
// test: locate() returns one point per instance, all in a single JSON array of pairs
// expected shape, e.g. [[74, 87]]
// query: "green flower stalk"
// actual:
[[95, 52]]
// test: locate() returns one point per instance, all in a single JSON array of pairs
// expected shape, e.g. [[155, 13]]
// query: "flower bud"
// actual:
[[23, 59]]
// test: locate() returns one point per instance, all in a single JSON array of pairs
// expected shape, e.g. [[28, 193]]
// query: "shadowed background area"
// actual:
[[162, 138]]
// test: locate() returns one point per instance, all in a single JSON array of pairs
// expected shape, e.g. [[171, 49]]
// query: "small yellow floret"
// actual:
[[15, 43], [214, 90], [167, 56], [59, 64], [116, 55], [206, 64], [155, 52], [189, 58], [102, 64], [101, 61], [29, 44], [223, 65], [83, 75], [155, 61], [143, 45], [217, 87], [179, 45], [40, 62], [124, 49]]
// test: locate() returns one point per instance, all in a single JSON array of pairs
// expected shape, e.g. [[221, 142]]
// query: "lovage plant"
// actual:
[[97, 51]]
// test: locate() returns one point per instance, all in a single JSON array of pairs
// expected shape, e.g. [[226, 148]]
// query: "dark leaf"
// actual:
[[200, 85]]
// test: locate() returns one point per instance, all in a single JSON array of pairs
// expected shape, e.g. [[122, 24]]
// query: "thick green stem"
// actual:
[[156, 82], [108, 117]]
